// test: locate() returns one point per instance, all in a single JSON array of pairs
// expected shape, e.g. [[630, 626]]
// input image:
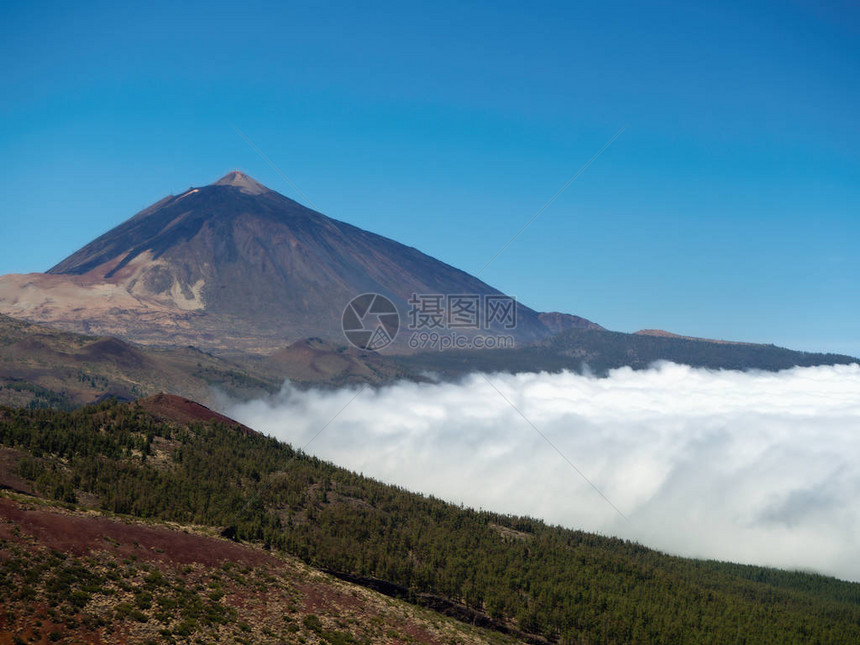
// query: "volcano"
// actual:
[[237, 266]]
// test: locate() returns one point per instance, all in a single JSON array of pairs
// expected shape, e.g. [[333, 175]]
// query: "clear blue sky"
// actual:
[[728, 208]]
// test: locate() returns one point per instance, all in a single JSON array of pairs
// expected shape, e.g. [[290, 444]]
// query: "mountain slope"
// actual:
[[599, 350], [517, 574], [234, 265], [45, 367]]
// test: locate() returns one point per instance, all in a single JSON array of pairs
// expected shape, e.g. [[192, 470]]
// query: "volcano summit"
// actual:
[[236, 266]]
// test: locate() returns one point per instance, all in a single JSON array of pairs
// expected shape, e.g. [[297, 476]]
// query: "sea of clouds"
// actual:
[[752, 467]]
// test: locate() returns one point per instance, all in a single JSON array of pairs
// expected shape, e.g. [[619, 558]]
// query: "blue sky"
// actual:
[[728, 208]]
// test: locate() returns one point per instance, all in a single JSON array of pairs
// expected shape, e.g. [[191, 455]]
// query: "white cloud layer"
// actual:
[[756, 467]]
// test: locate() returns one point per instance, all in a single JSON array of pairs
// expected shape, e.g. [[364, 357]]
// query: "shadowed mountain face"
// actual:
[[236, 266]]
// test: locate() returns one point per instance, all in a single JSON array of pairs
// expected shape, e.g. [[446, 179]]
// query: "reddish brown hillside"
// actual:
[[169, 407], [75, 577]]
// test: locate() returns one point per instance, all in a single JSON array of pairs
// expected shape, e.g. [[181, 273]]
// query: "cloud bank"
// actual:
[[755, 467]]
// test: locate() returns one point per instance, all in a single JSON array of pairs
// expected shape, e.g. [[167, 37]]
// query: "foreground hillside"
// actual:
[[68, 575], [515, 575]]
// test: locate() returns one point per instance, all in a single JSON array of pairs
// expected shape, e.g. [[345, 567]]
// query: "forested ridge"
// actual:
[[564, 585], [600, 350]]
